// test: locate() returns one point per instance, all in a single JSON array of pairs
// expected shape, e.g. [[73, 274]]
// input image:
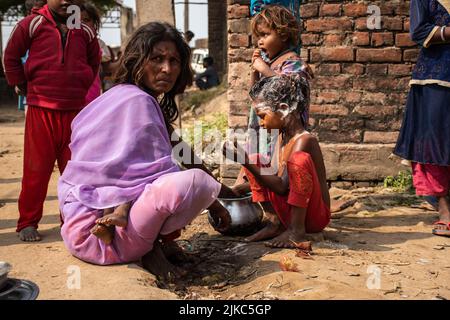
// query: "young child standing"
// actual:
[[277, 32], [296, 198], [61, 66]]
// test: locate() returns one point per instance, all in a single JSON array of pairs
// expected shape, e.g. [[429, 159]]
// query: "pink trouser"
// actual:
[[430, 179], [168, 204]]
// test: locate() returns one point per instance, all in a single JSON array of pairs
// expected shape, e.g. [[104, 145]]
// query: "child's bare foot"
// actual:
[[29, 234], [104, 233], [114, 219], [287, 239], [156, 262], [270, 230]]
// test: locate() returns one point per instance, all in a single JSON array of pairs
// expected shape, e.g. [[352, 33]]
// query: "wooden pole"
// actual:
[[186, 15]]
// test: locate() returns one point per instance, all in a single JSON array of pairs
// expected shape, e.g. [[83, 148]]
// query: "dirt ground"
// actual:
[[379, 248]]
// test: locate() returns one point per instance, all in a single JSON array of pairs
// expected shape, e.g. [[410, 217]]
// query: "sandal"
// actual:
[[441, 232]]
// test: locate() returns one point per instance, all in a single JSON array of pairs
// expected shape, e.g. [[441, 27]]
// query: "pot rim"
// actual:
[[248, 196]]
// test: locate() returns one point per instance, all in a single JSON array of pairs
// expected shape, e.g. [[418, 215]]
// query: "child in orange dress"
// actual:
[[295, 198]]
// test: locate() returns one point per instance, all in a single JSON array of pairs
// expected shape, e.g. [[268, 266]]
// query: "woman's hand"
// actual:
[[241, 189], [234, 152]]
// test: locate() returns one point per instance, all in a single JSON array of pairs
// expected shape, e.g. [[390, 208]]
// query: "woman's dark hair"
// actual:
[[137, 53], [93, 14]]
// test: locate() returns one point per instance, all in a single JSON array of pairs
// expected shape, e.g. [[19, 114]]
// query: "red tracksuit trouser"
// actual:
[[47, 137]]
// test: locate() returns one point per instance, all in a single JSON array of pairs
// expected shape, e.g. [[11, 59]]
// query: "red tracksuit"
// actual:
[[58, 77]]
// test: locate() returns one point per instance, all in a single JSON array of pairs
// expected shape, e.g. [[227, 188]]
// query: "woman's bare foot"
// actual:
[[114, 219], [287, 239], [29, 234], [156, 262], [104, 233]]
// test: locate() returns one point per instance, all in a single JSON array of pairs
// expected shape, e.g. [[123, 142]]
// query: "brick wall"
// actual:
[[361, 81]]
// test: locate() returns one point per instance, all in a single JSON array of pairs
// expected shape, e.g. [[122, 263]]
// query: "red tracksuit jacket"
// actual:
[[57, 76]]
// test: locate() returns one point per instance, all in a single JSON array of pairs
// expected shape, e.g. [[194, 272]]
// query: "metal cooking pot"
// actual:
[[5, 268], [246, 216]]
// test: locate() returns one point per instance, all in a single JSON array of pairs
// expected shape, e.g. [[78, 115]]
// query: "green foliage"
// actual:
[[402, 182], [218, 123]]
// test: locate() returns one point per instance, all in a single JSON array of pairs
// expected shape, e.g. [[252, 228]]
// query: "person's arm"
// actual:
[[263, 68], [18, 44], [422, 30], [273, 182]]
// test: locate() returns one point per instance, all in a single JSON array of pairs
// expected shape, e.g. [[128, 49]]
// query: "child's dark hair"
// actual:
[[137, 53], [93, 14], [209, 61], [292, 90], [281, 20]]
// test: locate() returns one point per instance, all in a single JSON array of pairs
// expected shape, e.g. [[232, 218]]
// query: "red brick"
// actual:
[[341, 136], [332, 54], [328, 69], [382, 39], [240, 55], [361, 38], [239, 26], [381, 83], [404, 40], [400, 69], [328, 24], [376, 69], [333, 39], [379, 55], [327, 97], [238, 40], [310, 39], [330, 10], [355, 10], [353, 68], [402, 9], [382, 124], [397, 98], [387, 9], [353, 97], [361, 24], [393, 24], [309, 10], [377, 98], [236, 11], [329, 109], [376, 111], [333, 82], [410, 55], [380, 137], [329, 124]]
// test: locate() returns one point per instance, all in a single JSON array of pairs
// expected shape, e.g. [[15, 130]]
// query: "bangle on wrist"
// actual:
[[442, 34]]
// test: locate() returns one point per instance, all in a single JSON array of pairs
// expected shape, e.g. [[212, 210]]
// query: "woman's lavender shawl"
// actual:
[[119, 144]]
